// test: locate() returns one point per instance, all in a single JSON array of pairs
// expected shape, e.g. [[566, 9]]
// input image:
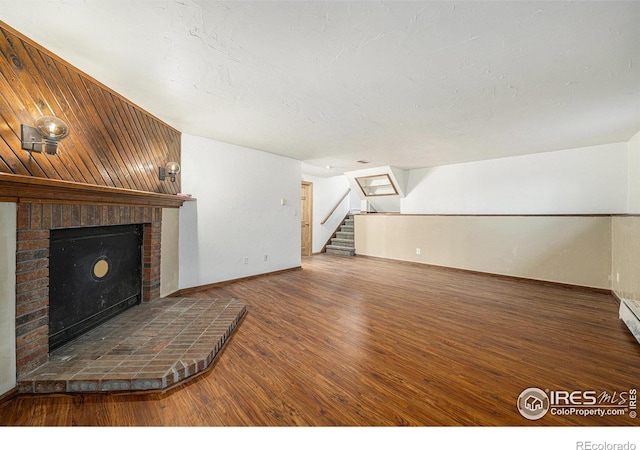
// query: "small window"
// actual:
[[376, 185]]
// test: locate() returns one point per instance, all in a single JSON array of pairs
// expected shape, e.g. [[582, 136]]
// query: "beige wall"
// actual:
[[625, 259], [633, 175], [169, 270], [7, 297], [565, 249]]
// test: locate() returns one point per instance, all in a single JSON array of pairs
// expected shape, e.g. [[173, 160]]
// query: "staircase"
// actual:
[[343, 243]]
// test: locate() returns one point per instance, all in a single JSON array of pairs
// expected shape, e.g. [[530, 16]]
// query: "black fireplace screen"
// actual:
[[95, 273]]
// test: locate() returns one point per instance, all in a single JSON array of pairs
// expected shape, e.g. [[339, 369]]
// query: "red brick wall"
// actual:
[[32, 265]]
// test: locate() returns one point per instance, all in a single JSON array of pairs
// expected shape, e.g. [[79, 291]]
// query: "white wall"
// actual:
[[589, 180], [238, 212], [633, 174], [7, 297], [326, 192]]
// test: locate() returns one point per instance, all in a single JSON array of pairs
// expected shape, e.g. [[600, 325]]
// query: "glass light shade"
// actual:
[[173, 169], [52, 128]]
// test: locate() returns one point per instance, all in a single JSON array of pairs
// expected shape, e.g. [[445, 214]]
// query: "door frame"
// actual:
[[307, 205]]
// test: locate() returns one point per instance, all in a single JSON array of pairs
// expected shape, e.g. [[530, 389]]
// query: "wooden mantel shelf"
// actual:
[[20, 188]]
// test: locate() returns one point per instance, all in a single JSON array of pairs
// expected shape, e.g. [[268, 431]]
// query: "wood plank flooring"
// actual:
[[369, 342]]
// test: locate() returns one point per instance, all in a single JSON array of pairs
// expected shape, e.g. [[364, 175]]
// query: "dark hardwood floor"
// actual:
[[369, 342]]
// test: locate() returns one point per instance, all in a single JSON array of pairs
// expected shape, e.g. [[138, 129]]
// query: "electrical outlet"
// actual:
[[266, 257], [245, 260], [417, 251], [618, 277]]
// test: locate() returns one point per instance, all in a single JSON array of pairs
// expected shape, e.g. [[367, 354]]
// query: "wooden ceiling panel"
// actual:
[[111, 141]]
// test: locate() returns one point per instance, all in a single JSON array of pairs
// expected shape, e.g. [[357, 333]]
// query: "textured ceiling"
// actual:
[[407, 84]]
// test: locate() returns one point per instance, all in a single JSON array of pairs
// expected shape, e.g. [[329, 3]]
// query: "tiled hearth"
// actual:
[[152, 346]]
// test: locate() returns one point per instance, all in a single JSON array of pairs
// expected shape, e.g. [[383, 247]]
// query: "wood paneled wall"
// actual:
[[111, 141]]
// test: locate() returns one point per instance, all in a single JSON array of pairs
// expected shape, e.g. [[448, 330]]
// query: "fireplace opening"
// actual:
[[95, 273]]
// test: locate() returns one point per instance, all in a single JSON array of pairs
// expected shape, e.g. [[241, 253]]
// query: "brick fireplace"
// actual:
[[156, 345], [34, 222]]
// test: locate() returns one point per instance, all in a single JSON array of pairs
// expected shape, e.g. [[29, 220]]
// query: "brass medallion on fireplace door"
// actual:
[[100, 268]]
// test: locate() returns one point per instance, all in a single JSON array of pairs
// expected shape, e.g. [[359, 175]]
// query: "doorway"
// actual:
[[306, 219]]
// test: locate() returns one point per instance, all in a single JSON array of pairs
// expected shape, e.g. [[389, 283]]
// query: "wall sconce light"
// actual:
[[171, 170], [48, 128]]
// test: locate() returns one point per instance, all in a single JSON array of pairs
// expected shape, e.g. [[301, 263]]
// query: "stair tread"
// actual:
[[341, 251], [343, 242]]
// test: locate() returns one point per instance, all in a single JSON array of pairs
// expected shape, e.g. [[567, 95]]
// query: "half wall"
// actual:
[[572, 250]]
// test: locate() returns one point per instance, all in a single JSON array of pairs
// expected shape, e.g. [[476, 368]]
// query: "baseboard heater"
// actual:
[[630, 315]]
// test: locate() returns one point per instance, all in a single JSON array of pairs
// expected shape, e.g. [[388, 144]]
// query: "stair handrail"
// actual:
[[335, 207]]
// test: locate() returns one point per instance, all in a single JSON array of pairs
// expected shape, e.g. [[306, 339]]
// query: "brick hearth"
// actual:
[[152, 346]]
